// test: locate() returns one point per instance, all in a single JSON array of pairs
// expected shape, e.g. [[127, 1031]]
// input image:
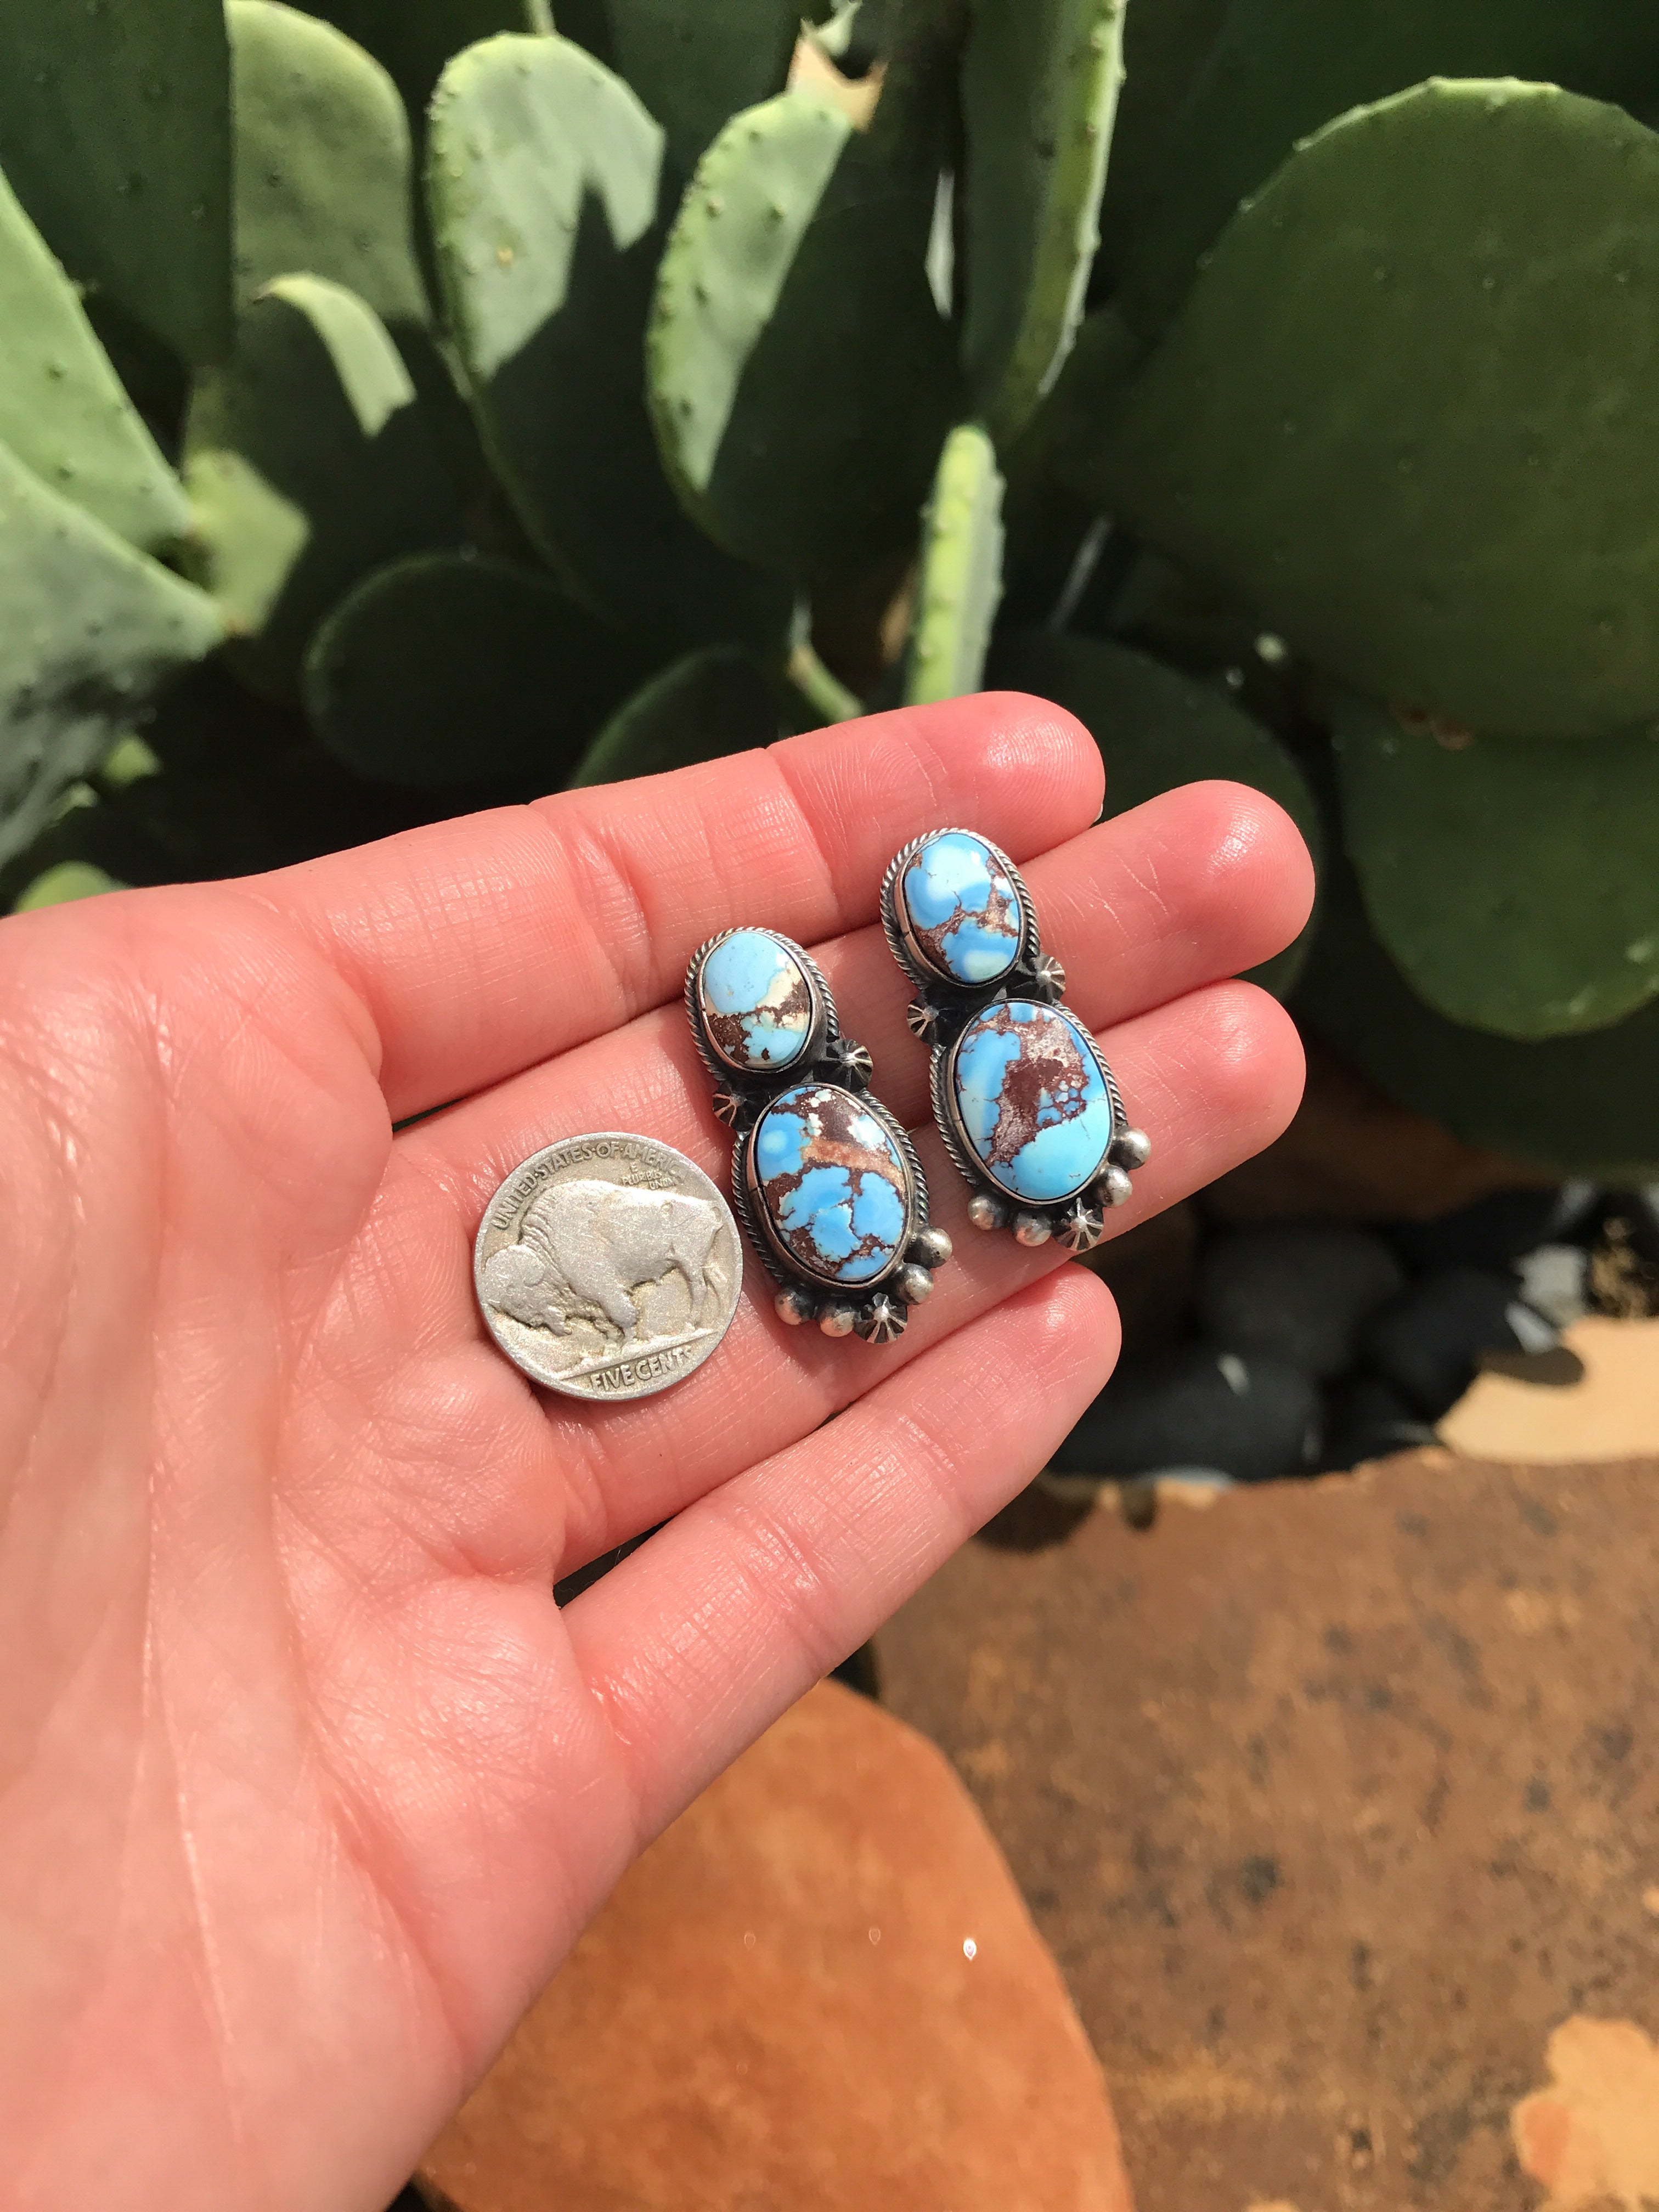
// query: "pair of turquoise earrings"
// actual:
[[827, 1182]]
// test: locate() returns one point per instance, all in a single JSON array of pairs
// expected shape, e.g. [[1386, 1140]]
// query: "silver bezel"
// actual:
[[958, 1144], [779, 1262], [825, 1021], [907, 953]]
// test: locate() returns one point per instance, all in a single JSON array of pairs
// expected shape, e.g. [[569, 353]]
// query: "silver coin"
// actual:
[[608, 1266]]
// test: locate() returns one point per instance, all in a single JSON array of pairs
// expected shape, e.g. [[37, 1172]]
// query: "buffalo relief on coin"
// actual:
[[827, 1182], [608, 1267]]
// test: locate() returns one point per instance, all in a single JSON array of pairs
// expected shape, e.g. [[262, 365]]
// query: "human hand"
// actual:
[[305, 1784]]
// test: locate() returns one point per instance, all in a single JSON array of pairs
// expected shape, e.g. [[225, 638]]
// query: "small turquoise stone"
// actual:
[[756, 1002], [833, 1183], [962, 908], [1032, 1095]]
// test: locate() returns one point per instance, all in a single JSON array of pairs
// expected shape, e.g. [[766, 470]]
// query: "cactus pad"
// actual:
[[63, 411], [1407, 411], [447, 668], [412, 39], [694, 63], [1278, 70], [323, 181], [115, 134], [92, 628], [796, 266], [1515, 882], [544, 179], [961, 581], [309, 462], [711, 703], [1039, 89], [1575, 1105], [1158, 729]]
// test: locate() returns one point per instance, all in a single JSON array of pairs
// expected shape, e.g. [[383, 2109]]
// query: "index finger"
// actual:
[[486, 945]]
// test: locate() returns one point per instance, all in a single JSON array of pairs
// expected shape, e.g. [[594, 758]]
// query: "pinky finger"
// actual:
[[698, 1643]]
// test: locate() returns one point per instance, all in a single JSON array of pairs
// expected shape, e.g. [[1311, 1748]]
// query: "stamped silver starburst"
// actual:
[[1050, 975], [849, 1064], [727, 1105], [882, 1320], [922, 1020], [1081, 1227]]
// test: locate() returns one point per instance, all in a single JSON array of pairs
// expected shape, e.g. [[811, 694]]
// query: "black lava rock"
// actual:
[[1427, 1344], [1298, 1292], [1245, 1415], [1495, 1231], [1369, 1420]]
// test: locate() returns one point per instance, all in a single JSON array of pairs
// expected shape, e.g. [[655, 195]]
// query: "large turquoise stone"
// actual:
[[1032, 1095], [833, 1183], [961, 909], [756, 1002]]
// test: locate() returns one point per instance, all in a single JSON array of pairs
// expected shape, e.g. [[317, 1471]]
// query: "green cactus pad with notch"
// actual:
[[1158, 729], [1408, 412], [1585, 1105], [323, 177], [694, 63], [709, 704], [801, 378], [1515, 882], [1039, 89], [115, 135], [63, 411], [1280, 70], [309, 462], [960, 584], [412, 39], [544, 179], [447, 670], [92, 629]]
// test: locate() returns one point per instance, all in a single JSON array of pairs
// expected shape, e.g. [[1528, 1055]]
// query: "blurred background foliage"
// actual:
[[408, 405]]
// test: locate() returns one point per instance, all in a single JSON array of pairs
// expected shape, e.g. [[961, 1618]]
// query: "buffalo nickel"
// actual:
[[608, 1267]]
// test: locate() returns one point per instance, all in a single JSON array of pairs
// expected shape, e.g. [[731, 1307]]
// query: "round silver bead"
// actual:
[[929, 1247], [1133, 1149], [986, 1211], [913, 1285], [838, 1320], [794, 1308], [1114, 1187], [922, 1021], [1032, 1229]]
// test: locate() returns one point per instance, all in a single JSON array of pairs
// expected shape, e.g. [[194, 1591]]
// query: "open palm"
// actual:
[[305, 1784]]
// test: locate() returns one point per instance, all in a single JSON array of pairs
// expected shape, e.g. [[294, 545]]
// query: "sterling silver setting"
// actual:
[[989, 1005], [825, 1179]]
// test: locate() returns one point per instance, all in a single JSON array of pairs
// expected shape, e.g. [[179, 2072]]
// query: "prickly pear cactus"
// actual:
[[961, 577], [533, 405]]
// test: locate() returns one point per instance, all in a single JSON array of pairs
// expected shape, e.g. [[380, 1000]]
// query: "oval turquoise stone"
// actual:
[[1032, 1095], [756, 1002], [962, 909], [833, 1183]]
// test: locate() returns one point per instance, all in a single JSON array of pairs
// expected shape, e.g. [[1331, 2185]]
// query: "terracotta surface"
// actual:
[[1611, 1411], [1352, 1154], [1336, 1801], [818, 1992], [1592, 2137]]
